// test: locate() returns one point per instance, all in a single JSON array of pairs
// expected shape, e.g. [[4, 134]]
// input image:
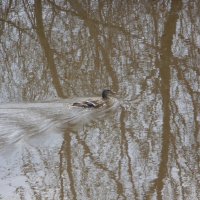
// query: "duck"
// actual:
[[96, 103]]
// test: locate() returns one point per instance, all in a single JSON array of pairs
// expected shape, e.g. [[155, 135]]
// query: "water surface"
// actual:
[[144, 146]]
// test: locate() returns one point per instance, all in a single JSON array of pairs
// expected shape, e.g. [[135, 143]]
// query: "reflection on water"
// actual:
[[30, 120], [33, 132], [145, 146]]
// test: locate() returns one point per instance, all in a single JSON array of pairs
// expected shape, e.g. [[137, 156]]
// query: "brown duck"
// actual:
[[96, 103]]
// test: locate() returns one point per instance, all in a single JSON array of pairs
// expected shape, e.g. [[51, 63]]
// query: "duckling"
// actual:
[[96, 103]]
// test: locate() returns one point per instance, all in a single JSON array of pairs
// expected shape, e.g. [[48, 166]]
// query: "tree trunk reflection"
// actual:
[[47, 49]]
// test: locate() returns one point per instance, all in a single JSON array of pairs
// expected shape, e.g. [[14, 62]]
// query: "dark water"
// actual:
[[145, 145]]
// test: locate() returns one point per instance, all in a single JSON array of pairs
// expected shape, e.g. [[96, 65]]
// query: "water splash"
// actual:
[[25, 121]]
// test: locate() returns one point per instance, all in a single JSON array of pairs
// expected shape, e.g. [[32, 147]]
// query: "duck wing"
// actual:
[[85, 104], [95, 103], [89, 104]]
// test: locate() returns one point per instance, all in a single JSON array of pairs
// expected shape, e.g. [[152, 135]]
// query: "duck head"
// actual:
[[106, 93]]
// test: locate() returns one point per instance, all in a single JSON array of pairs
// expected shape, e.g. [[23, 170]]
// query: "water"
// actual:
[[145, 145], [31, 132]]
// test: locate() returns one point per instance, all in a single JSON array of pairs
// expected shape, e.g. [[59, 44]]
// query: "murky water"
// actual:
[[144, 145]]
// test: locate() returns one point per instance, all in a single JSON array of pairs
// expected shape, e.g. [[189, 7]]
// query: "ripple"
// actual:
[[28, 120]]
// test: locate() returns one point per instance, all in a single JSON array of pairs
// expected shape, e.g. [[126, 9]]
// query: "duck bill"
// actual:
[[113, 92]]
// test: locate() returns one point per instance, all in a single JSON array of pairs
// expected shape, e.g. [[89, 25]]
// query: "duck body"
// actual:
[[89, 104], [95, 103]]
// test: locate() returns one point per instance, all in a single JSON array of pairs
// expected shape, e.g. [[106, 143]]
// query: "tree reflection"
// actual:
[[46, 48], [148, 52]]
